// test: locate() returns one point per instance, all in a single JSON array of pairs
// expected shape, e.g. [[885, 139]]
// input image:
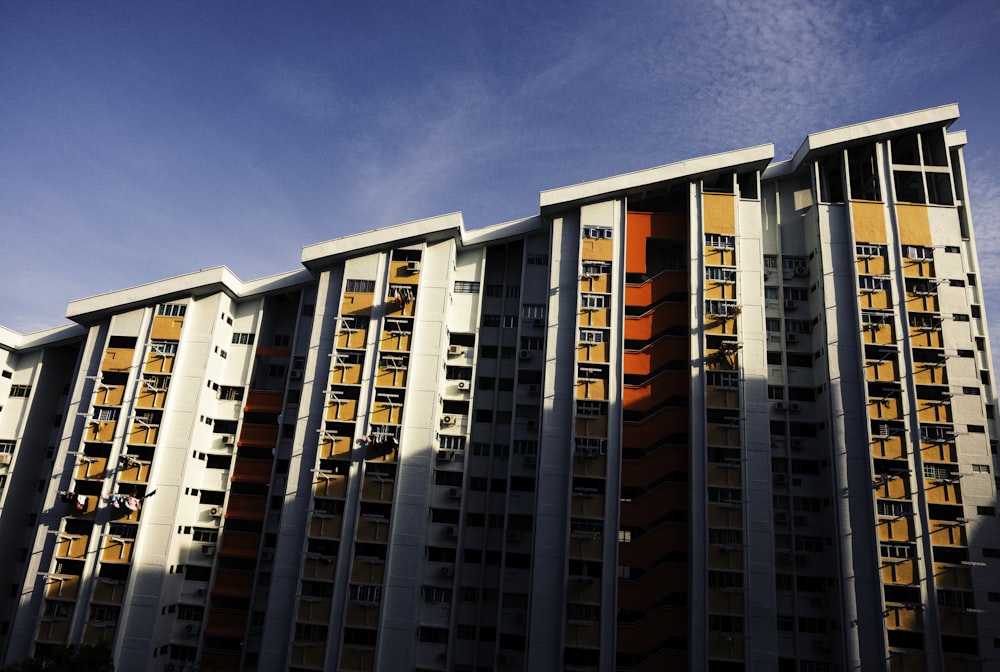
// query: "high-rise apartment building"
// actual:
[[725, 414]]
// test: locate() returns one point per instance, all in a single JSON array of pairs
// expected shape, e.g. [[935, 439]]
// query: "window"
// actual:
[[918, 252], [770, 261], [872, 283], [720, 308], [494, 290], [986, 511], [513, 292], [359, 593], [593, 301], [537, 259], [20, 391], [896, 550], [205, 534], [795, 294], [720, 274], [523, 447], [771, 292], [243, 338], [720, 242], [365, 286], [7, 446], [171, 309], [532, 311], [866, 251], [592, 269], [773, 325], [797, 326], [466, 287], [938, 471], [980, 468], [531, 343], [726, 379], [451, 442], [597, 232], [510, 321], [593, 336]]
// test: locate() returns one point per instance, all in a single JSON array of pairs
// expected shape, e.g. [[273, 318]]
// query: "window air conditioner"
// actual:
[[413, 266], [228, 439], [447, 419], [454, 349], [792, 338], [524, 354]]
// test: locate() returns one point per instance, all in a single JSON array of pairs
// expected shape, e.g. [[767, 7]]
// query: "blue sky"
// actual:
[[142, 140]]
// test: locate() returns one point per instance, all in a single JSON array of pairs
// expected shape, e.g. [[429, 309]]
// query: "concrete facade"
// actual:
[[725, 414]]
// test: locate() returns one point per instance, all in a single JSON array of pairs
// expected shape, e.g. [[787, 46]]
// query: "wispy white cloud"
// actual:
[[300, 91]]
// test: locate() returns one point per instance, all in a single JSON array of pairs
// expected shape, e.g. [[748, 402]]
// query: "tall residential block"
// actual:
[[726, 414]]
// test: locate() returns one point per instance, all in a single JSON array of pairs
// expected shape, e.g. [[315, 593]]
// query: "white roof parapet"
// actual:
[[956, 138], [13, 340], [758, 156], [911, 121], [488, 234], [199, 283], [429, 229]]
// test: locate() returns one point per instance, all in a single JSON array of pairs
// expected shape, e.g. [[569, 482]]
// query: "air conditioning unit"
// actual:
[[801, 269], [208, 550], [454, 350], [779, 406], [781, 516], [463, 384], [534, 388], [795, 408], [524, 354], [5, 458], [446, 571], [798, 444], [455, 492], [413, 266], [530, 460], [295, 374], [532, 424], [450, 532], [228, 439], [215, 512], [448, 420], [513, 535], [191, 629], [780, 479], [789, 304], [792, 338]]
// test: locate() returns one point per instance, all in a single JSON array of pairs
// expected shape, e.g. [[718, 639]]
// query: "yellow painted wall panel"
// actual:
[[347, 374], [914, 224], [597, 249], [166, 328], [399, 274], [109, 396], [720, 213], [367, 571], [357, 303], [117, 360], [869, 222], [325, 525]]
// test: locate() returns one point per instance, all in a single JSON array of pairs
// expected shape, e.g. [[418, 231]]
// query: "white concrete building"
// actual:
[[725, 414]]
